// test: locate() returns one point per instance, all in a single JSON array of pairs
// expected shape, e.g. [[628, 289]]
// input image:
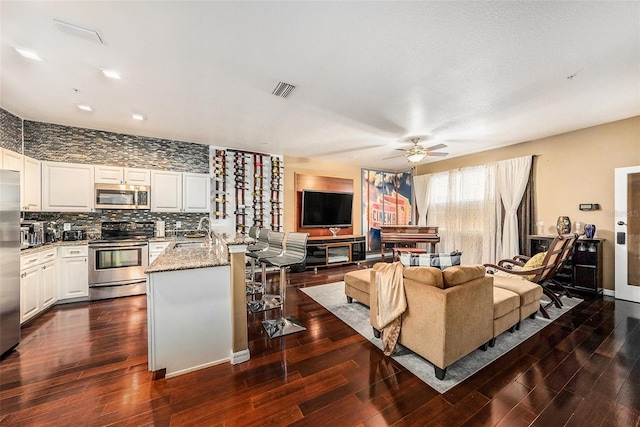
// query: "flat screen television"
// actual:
[[326, 209]]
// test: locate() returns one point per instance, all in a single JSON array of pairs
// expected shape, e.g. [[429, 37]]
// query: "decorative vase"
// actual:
[[563, 225], [589, 231]]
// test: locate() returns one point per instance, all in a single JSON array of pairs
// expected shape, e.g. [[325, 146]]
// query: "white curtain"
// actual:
[[513, 175], [421, 188], [462, 203]]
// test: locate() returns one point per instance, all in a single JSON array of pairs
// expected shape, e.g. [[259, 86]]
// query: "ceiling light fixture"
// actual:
[[112, 74], [84, 107], [28, 54], [415, 157], [135, 116]]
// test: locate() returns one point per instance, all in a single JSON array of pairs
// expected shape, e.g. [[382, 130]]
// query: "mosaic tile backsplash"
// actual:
[[45, 141], [10, 131], [90, 221]]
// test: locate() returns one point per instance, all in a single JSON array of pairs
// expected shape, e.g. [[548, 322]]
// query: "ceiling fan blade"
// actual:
[[401, 149], [436, 147], [437, 154]]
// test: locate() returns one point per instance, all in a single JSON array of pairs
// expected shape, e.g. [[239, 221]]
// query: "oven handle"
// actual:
[[116, 245]]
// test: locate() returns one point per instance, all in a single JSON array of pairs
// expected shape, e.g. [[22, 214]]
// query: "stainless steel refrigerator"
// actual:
[[9, 260]]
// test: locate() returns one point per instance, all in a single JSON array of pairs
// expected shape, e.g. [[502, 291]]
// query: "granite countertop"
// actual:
[[239, 240], [181, 256], [48, 246]]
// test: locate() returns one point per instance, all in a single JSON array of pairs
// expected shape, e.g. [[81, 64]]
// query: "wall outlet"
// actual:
[[178, 224]]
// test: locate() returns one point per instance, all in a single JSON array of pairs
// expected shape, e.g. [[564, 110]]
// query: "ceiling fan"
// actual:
[[417, 152]]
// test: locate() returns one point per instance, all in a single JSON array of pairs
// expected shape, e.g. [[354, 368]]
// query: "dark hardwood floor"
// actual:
[[86, 364]]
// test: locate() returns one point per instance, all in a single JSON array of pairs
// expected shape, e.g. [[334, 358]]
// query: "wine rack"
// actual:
[[248, 189], [219, 172]]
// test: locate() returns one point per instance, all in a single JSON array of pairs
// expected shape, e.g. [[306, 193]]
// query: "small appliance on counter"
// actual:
[[160, 227], [35, 235], [73, 235], [24, 237], [51, 232]]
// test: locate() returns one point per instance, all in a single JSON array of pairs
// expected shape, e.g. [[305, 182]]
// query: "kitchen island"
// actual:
[[190, 308]]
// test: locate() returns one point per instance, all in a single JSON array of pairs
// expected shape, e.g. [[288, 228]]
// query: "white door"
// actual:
[[32, 184], [166, 191], [195, 192], [627, 237], [74, 278], [67, 187], [48, 294], [29, 296], [109, 175]]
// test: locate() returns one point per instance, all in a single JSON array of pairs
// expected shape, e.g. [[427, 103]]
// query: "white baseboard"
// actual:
[[609, 293], [240, 356]]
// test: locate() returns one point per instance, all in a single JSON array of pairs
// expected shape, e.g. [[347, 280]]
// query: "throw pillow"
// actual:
[[533, 263]]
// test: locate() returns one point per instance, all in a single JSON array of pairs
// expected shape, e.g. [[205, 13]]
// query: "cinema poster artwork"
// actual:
[[387, 198]]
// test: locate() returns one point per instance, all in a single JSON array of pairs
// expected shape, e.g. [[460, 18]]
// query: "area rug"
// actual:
[[332, 297]]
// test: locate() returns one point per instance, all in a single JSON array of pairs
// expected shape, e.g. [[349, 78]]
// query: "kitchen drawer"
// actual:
[[74, 251], [158, 246], [28, 261], [31, 260]]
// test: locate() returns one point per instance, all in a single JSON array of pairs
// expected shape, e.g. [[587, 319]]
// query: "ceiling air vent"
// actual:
[[75, 30], [283, 89]]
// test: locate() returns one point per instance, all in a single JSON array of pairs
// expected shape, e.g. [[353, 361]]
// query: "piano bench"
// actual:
[[398, 251]]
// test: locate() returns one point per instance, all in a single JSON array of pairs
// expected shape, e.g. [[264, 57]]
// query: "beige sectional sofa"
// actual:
[[449, 313]]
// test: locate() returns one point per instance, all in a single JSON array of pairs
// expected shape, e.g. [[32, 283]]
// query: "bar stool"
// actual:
[[260, 245], [267, 302], [295, 253]]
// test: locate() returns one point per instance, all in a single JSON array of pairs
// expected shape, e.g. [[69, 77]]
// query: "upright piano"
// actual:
[[409, 234]]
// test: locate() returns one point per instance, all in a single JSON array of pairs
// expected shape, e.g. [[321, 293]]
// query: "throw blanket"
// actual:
[[391, 304]]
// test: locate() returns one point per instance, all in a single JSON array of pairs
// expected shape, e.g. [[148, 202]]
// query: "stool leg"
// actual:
[[267, 302], [283, 325]]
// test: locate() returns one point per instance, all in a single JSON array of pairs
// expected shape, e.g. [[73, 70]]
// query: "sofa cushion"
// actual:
[[504, 302], [427, 275], [458, 275], [358, 279], [529, 292]]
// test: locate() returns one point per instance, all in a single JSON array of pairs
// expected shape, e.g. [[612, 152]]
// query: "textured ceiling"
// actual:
[[472, 75]]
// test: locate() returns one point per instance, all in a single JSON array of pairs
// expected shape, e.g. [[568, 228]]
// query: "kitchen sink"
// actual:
[[191, 245]]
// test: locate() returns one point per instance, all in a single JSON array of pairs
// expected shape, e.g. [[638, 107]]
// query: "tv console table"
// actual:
[[324, 251]]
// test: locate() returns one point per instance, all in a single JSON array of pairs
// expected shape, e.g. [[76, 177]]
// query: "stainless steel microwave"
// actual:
[[116, 196]]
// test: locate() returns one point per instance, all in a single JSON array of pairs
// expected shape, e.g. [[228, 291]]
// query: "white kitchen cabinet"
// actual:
[[109, 175], [12, 160], [49, 285], [30, 178], [29, 295], [67, 187], [137, 176], [180, 192], [166, 191], [196, 192], [73, 278], [38, 283], [32, 185], [119, 175], [155, 249]]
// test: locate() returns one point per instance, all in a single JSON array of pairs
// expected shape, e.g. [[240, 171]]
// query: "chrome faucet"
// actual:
[[208, 229]]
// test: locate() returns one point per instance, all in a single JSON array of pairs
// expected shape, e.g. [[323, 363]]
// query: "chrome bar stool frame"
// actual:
[[295, 253], [268, 301], [261, 244]]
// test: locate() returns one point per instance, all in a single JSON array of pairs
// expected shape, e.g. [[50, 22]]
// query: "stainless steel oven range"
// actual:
[[117, 261]]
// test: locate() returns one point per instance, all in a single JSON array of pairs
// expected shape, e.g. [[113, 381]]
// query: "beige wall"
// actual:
[[572, 168], [295, 165]]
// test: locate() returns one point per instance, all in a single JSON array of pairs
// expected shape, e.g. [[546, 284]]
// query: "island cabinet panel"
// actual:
[[189, 319]]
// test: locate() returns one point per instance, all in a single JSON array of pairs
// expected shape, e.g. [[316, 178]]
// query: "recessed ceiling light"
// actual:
[[112, 74], [28, 54], [137, 116], [84, 107]]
